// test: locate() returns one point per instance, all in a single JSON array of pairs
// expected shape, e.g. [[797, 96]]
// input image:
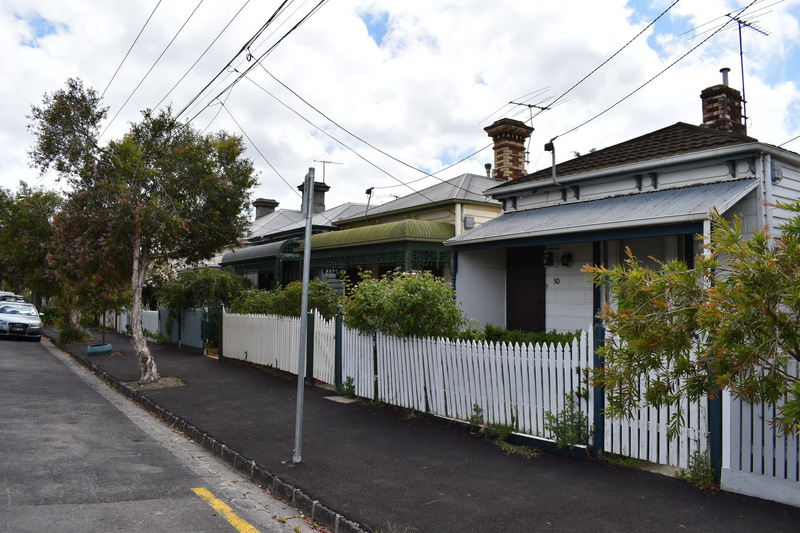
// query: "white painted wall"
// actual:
[[481, 285], [568, 296]]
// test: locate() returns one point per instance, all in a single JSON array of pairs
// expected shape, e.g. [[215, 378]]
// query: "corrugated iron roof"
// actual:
[[463, 188], [272, 249], [669, 206]]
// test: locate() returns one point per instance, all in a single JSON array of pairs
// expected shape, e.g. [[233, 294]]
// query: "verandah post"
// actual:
[[598, 439]]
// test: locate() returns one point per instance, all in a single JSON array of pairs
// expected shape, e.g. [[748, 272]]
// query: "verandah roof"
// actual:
[[406, 230], [663, 207]]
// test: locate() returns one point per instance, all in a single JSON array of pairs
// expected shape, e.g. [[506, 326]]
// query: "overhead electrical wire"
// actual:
[[270, 20], [640, 87], [152, 67], [203, 54], [129, 49]]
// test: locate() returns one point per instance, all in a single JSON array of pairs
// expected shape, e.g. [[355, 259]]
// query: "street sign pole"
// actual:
[[301, 358]]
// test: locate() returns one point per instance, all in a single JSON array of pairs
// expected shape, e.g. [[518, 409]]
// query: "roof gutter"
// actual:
[[639, 168]]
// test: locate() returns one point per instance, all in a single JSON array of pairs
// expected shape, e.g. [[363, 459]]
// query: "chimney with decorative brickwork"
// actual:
[[264, 207], [509, 138], [722, 107]]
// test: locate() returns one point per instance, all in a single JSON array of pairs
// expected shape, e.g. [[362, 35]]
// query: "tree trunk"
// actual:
[[74, 318], [147, 365]]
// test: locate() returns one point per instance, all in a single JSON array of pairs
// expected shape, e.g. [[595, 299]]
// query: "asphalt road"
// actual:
[[75, 456]]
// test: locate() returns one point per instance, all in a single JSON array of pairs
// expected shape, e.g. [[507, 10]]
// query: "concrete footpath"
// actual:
[[367, 467]]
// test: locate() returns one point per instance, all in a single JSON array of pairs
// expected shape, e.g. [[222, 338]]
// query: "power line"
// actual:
[[129, 49], [152, 67], [615, 104], [204, 53], [271, 19], [258, 60]]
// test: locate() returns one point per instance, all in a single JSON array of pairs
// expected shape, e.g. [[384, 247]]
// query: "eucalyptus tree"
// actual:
[[162, 192]]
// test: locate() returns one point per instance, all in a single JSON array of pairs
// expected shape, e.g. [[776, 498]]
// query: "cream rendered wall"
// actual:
[[481, 285]]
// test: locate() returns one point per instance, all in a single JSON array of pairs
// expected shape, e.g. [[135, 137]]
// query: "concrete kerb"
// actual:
[[294, 496]]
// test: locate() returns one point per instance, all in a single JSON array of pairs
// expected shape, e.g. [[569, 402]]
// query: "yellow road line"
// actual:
[[222, 508]]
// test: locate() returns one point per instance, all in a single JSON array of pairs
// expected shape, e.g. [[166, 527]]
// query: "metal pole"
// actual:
[[301, 358]]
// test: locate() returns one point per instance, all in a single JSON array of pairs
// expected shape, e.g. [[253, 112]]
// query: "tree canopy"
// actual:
[[162, 192], [26, 234], [732, 320]]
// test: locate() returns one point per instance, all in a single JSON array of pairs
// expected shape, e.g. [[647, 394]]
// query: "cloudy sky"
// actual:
[[388, 92]]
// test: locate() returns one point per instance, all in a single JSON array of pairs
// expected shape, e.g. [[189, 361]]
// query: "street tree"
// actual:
[[25, 236], [164, 191], [731, 320]]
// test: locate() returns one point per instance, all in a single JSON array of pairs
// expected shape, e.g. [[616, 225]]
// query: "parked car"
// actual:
[[11, 297], [19, 319]]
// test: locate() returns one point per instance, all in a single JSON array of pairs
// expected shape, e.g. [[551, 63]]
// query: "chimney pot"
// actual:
[[509, 138], [264, 206], [725, 71], [319, 195]]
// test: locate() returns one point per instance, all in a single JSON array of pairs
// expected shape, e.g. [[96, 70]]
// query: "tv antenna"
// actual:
[[744, 23], [323, 166], [530, 107]]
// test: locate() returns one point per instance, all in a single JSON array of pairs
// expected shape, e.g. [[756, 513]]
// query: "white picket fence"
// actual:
[[274, 341], [512, 385], [516, 385], [644, 436], [757, 459], [150, 322]]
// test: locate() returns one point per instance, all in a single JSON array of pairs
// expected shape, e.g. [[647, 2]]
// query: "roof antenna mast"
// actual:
[[746, 24], [323, 166], [530, 110]]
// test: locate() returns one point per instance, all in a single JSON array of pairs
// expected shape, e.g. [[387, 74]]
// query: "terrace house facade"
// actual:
[[653, 193]]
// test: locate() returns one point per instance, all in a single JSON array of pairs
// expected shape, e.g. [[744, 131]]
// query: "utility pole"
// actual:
[[308, 211]]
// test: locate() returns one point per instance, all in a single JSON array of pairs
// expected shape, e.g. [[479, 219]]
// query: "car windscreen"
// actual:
[[9, 309]]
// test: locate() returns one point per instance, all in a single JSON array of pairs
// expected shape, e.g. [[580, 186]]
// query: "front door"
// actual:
[[525, 289]]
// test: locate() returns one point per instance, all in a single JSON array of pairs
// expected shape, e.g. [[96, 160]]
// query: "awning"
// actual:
[[405, 230], [280, 249], [656, 208]]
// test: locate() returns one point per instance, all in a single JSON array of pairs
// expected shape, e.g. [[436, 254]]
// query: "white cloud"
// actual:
[[423, 96]]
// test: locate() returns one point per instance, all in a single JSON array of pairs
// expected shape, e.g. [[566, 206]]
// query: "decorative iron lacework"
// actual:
[[419, 260]]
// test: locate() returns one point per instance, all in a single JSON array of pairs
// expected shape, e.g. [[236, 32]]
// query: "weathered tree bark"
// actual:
[[147, 365]]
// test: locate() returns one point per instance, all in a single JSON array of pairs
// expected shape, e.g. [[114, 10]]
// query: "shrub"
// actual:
[[404, 304], [495, 334], [72, 335], [286, 300]]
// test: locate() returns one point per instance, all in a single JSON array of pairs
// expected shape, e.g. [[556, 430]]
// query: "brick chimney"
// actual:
[[509, 138], [319, 195], [264, 207], [722, 107]]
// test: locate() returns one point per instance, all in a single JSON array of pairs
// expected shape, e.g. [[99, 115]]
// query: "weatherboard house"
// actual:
[[653, 193]]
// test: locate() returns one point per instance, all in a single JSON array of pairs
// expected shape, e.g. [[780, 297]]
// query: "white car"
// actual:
[[20, 320]]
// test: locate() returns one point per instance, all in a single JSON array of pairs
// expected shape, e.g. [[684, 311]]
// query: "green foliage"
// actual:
[[73, 335], [570, 426], [286, 300], [699, 472], [50, 315], [731, 321], [26, 235], [348, 388], [476, 418], [162, 192], [495, 334], [404, 304]]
